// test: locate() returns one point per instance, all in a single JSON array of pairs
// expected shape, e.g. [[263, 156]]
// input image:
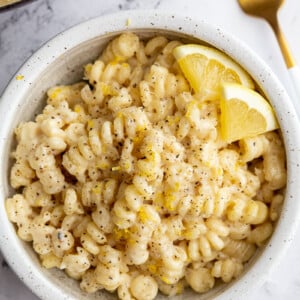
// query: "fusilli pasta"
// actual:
[[124, 181]]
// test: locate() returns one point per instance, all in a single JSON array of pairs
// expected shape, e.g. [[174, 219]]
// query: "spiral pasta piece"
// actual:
[[227, 269], [76, 264], [44, 163], [121, 48], [200, 279]]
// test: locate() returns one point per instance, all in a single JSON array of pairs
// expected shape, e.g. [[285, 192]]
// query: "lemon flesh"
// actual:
[[206, 68], [244, 113]]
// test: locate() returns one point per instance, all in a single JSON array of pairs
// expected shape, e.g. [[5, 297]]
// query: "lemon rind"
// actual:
[[254, 101], [212, 53]]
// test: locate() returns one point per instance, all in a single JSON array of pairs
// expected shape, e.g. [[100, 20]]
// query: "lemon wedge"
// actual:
[[244, 113], [206, 68]]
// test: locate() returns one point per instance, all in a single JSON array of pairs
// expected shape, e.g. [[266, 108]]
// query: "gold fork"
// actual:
[[268, 10], [8, 2]]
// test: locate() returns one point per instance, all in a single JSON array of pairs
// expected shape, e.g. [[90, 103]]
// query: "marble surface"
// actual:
[[23, 30]]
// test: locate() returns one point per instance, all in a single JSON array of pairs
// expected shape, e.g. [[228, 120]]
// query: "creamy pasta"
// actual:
[[124, 182]]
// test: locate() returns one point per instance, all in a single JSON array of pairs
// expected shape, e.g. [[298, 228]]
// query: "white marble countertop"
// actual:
[[23, 30]]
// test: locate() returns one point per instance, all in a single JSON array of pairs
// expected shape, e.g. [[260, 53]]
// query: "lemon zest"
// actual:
[[128, 22], [97, 189], [19, 77]]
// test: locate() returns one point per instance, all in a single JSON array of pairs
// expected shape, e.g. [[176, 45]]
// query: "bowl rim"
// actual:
[[10, 245]]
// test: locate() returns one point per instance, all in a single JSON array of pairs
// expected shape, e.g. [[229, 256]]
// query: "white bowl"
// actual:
[[60, 61]]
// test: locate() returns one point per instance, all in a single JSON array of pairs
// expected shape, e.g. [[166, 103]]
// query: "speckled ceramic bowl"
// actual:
[[60, 61]]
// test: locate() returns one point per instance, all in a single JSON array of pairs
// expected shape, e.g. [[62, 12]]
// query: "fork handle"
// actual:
[[284, 46], [294, 73], [290, 62]]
